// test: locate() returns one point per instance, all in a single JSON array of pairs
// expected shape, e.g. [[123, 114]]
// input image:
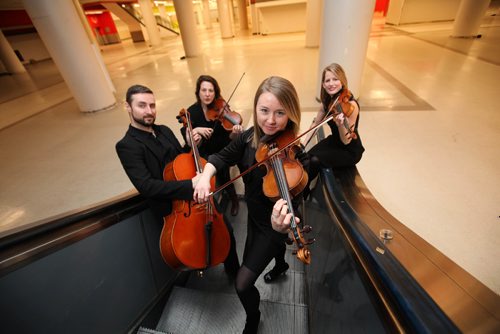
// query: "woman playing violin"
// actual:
[[209, 134], [276, 109], [343, 148]]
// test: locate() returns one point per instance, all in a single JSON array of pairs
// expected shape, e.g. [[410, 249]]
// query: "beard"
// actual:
[[146, 121]]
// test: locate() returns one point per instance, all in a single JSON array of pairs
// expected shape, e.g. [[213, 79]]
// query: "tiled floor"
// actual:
[[429, 122]]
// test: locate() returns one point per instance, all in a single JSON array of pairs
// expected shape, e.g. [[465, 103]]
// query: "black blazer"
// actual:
[[144, 164]]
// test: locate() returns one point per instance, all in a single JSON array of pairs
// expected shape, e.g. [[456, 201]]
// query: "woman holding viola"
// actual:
[[276, 110], [343, 148], [208, 132]]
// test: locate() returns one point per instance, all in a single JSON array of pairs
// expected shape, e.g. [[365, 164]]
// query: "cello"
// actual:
[[194, 235], [285, 178]]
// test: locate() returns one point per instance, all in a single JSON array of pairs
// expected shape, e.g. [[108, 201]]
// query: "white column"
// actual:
[[242, 14], [313, 23], [198, 10], [150, 22], [163, 12], [94, 43], [344, 40], [226, 28], [206, 14], [255, 19], [468, 18], [187, 26], [8, 56], [85, 23], [60, 29]]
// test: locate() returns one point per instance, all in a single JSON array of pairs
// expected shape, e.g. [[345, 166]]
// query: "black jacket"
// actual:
[[144, 158]]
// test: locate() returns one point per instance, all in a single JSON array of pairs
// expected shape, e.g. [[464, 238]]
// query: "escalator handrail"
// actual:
[[413, 306], [49, 235]]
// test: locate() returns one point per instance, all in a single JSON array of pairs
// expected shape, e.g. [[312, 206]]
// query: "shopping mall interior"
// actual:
[[429, 122]]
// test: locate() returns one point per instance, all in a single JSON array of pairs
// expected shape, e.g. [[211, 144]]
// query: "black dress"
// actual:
[[332, 152], [220, 136], [262, 243], [219, 139]]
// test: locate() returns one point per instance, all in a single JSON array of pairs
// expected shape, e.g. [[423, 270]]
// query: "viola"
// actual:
[[194, 236], [342, 105], [222, 113], [285, 178]]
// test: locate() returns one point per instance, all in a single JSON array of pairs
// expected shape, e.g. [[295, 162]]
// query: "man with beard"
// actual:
[[144, 152]]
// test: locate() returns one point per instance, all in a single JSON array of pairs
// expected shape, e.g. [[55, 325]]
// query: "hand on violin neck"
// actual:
[[281, 217], [339, 119]]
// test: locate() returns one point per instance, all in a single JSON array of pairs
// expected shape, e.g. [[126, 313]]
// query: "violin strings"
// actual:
[[281, 180]]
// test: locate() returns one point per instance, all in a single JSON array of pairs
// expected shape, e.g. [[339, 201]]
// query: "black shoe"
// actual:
[[274, 273], [252, 324]]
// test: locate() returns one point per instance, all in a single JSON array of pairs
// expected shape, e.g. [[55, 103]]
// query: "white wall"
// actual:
[[416, 11]]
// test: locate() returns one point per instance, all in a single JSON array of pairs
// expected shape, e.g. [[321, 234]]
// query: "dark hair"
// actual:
[[210, 79], [136, 89]]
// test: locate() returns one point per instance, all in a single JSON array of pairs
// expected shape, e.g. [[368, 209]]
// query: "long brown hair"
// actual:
[[339, 73], [286, 95]]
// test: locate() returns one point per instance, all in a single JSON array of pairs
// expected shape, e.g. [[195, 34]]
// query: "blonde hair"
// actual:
[[286, 95], [339, 73]]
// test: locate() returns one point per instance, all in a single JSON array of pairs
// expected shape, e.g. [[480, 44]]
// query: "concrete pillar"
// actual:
[[85, 23], [8, 56], [226, 28], [206, 14], [187, 26], [468, 18], [94, 43], [60, 29], [313, 24], [198, 12], [242, 14], [255, 18], [150, 22], [163, 12], [344, 40]]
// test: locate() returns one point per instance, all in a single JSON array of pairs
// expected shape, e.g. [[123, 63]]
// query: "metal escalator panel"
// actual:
[[338, 299]]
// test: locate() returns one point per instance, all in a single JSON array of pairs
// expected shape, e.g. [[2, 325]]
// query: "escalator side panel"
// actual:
[[99, 284]]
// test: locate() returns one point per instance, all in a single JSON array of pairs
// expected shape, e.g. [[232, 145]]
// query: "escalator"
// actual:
[[99, 271]]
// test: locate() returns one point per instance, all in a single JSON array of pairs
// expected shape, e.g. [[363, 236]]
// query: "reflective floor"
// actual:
[[429, 122]]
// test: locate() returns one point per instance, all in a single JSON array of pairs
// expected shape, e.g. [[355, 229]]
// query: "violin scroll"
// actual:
[[302, 252]]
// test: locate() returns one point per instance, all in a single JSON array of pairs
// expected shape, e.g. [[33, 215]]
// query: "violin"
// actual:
[[222, 113], [342, 105], [194, 236], [285, 178]]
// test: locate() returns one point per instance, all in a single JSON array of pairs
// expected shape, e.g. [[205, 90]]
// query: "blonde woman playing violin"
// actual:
[[343, 148], [276, 110]]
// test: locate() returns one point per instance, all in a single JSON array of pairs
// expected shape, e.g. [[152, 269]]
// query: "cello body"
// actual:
[[194, 236]]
